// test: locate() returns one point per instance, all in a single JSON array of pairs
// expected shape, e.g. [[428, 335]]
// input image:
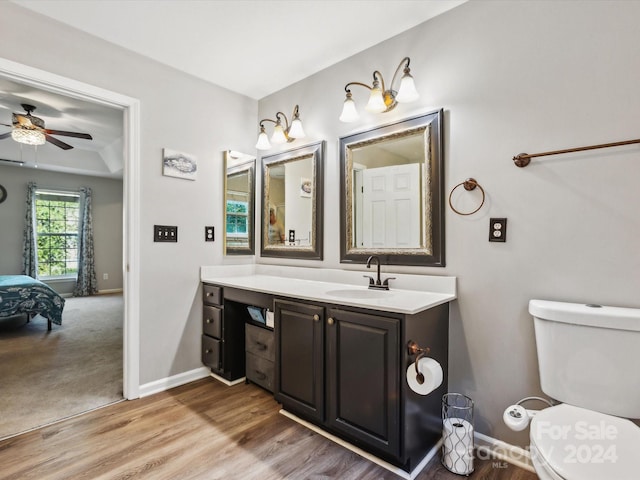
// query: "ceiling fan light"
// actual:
[[278, 137], [376, 101], [263, 141], [407, 91], [28, 137], [296, 130]]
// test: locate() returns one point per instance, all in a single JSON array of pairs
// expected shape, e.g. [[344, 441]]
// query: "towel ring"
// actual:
[[469, 184]]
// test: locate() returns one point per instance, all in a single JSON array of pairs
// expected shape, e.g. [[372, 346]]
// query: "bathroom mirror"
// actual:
[[391, 193], [239, 201], [292, 198]]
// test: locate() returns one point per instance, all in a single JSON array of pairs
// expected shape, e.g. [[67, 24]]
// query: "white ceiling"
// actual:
[[227, 41], [221, 41]]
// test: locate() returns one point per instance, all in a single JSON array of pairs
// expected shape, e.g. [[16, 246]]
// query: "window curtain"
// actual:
[[87, 283], [29, 243]]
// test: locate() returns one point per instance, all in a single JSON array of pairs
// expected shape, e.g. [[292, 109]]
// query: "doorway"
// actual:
[[130, 108]]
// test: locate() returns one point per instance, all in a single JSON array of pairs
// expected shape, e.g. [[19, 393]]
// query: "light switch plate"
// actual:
[[165, 233], [209, 234], [497, 229]]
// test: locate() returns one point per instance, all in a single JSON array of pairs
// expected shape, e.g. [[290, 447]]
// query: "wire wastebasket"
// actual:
[[457, 433]]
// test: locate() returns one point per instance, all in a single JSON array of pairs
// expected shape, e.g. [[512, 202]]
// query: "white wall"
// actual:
[[177, 112], [512, 77], [107, 221]]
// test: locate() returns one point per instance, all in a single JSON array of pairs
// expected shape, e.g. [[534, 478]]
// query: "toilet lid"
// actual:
[[581, 444]]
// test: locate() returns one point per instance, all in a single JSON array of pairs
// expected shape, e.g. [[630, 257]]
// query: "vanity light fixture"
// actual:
[[281, 134], [382, 100]]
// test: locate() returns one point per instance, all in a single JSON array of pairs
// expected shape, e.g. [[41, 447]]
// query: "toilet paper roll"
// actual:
[[432, 372], [457, 446]]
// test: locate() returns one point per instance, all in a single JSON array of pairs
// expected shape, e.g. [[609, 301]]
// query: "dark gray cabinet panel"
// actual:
[[299, 362], [363, 385], [260, 355]]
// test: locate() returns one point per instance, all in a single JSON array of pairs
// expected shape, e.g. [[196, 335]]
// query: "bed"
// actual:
[[21, 294]]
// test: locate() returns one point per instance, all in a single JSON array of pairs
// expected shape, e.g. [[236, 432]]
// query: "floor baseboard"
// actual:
[[163, 384], [491, 448]]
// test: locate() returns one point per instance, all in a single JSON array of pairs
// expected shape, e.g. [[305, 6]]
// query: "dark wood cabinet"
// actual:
[[363, 371], [339, 367], [260, 355], [299, 379], [343, 369]]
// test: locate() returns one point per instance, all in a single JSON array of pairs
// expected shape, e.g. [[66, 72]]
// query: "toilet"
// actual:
[[588, 357]]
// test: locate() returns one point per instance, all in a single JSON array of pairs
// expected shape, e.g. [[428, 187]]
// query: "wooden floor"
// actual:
[[202, 430]]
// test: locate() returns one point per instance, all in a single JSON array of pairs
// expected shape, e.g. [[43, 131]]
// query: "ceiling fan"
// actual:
[[29, 129]]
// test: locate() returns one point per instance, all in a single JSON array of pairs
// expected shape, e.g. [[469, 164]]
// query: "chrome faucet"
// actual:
[[378, 283]]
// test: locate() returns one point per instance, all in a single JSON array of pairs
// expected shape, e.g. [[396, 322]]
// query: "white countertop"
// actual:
[[348, 289]]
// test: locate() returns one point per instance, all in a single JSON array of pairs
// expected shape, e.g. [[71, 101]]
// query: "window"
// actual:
[[237, 217], [57, 227]]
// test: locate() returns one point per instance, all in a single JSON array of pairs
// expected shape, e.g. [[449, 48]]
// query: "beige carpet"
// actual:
[[77, 366]]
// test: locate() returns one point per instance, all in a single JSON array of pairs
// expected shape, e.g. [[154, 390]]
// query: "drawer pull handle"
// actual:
[[207, 351], [209, 294], [261, 375], [261, 345], [330, 321], [209, 320], [316, 317]]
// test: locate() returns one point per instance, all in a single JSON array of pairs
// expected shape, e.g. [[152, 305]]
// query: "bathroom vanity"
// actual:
[[340, 354]]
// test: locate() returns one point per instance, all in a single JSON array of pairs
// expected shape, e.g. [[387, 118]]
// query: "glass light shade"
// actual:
[[28, 137], [278, 136], [263, 141], [349, 112], [376, 101], [296, 131], [407, 91]]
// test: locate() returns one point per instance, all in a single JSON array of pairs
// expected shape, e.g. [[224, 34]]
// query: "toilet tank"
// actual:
[[588, 355]]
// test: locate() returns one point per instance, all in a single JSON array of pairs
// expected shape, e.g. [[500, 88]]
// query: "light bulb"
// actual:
[[407, 91], [349, 112], [263, 141], [296, 130], [278, 136], [376, 101]]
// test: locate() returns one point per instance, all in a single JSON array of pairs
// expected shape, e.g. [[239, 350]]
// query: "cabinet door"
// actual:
[[299, 378], [363, 379]]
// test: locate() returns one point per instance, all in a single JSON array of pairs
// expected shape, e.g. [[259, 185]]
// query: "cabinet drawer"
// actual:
[[259, 341], [212, 321], [211, 352], [260, 371], [211, 295]]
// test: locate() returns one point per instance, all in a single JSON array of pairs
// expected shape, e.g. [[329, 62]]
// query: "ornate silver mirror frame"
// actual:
[[410, 154], [292, 187], [239, 203]]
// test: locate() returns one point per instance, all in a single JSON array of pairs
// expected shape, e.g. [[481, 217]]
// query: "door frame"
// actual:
[[131, 197]]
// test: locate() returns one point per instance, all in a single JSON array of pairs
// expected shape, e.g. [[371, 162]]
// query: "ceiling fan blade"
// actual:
[[58, 143], [69, 134], [5, 135]]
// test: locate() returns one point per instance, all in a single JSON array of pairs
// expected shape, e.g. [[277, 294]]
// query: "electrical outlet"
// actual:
[[209, 234], [497, 229], [105, 276], [165, 233]]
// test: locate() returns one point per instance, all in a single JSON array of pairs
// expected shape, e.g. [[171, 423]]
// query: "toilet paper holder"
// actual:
[[414, 349]]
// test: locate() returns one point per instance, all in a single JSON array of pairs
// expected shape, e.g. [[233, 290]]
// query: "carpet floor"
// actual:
[[76, 367]]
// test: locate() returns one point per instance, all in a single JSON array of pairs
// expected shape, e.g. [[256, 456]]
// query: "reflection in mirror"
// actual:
[[391, 186], [239, 201], [292, 203]]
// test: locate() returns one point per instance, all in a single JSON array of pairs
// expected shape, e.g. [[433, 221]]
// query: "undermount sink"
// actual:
[[359, 293]]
